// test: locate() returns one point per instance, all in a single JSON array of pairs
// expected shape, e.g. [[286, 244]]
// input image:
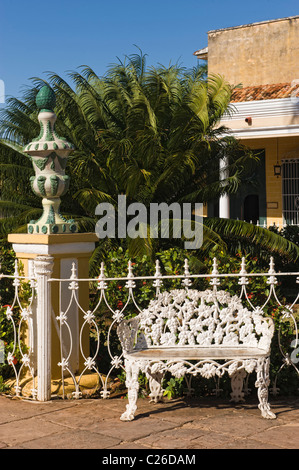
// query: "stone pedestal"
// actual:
[[65, 249]]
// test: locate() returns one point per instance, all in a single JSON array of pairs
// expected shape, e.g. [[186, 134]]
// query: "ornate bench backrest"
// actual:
[[194, 318]]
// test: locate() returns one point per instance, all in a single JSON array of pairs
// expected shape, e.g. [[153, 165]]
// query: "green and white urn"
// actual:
[[49, 154]]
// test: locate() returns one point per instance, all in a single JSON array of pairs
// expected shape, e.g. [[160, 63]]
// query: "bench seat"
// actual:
[[196, 353]]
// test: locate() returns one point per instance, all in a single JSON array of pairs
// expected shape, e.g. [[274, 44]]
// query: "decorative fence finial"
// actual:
[[272, 280], [158, 282], [214, 279], [49, 154], [243, 281], [101, 279], [186, 282], [130, 283]]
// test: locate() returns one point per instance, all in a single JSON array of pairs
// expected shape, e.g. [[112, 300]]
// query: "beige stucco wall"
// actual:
[[256, 54]]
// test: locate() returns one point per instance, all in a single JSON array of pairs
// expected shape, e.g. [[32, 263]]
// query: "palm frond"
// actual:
[[239, 231]]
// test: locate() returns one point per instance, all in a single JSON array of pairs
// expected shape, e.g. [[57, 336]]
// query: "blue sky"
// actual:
[[58, 36]]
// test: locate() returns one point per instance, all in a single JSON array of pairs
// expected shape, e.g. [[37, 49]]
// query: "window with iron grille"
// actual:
[[290, 191]]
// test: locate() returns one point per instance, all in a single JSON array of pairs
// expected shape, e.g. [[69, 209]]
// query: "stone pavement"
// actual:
[[205, 423]]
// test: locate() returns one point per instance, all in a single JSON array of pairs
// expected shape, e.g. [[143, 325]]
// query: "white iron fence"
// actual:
[[20, 322], [31, 313]]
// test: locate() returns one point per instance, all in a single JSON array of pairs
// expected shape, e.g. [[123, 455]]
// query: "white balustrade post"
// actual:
[[43, 266]]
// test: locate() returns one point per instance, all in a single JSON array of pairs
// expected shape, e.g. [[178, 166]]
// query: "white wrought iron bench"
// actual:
[[186, 331]]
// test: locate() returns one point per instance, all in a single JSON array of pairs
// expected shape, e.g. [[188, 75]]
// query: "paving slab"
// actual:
[[21, 431], [285, 435], [16, 408], [72, 439], [181, 424]]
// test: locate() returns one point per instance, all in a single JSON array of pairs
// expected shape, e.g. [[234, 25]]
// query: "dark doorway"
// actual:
[[249, 203], [251, 208]]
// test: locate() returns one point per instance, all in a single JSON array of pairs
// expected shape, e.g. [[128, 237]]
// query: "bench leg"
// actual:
[[132, 384], [155, 385], [262, 383], [237, 384]]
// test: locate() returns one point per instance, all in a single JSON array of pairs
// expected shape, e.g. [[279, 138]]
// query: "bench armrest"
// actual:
[[127, 333]]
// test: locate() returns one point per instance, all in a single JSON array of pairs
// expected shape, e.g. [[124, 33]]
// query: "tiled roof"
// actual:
[[265, 92]]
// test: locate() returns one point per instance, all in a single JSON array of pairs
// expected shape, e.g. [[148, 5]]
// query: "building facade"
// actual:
[[262, 60]]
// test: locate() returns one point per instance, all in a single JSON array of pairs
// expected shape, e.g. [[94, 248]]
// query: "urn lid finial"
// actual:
[[45, 99]]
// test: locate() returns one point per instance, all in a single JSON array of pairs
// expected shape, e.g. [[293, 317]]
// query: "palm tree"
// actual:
[[151, 134]]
